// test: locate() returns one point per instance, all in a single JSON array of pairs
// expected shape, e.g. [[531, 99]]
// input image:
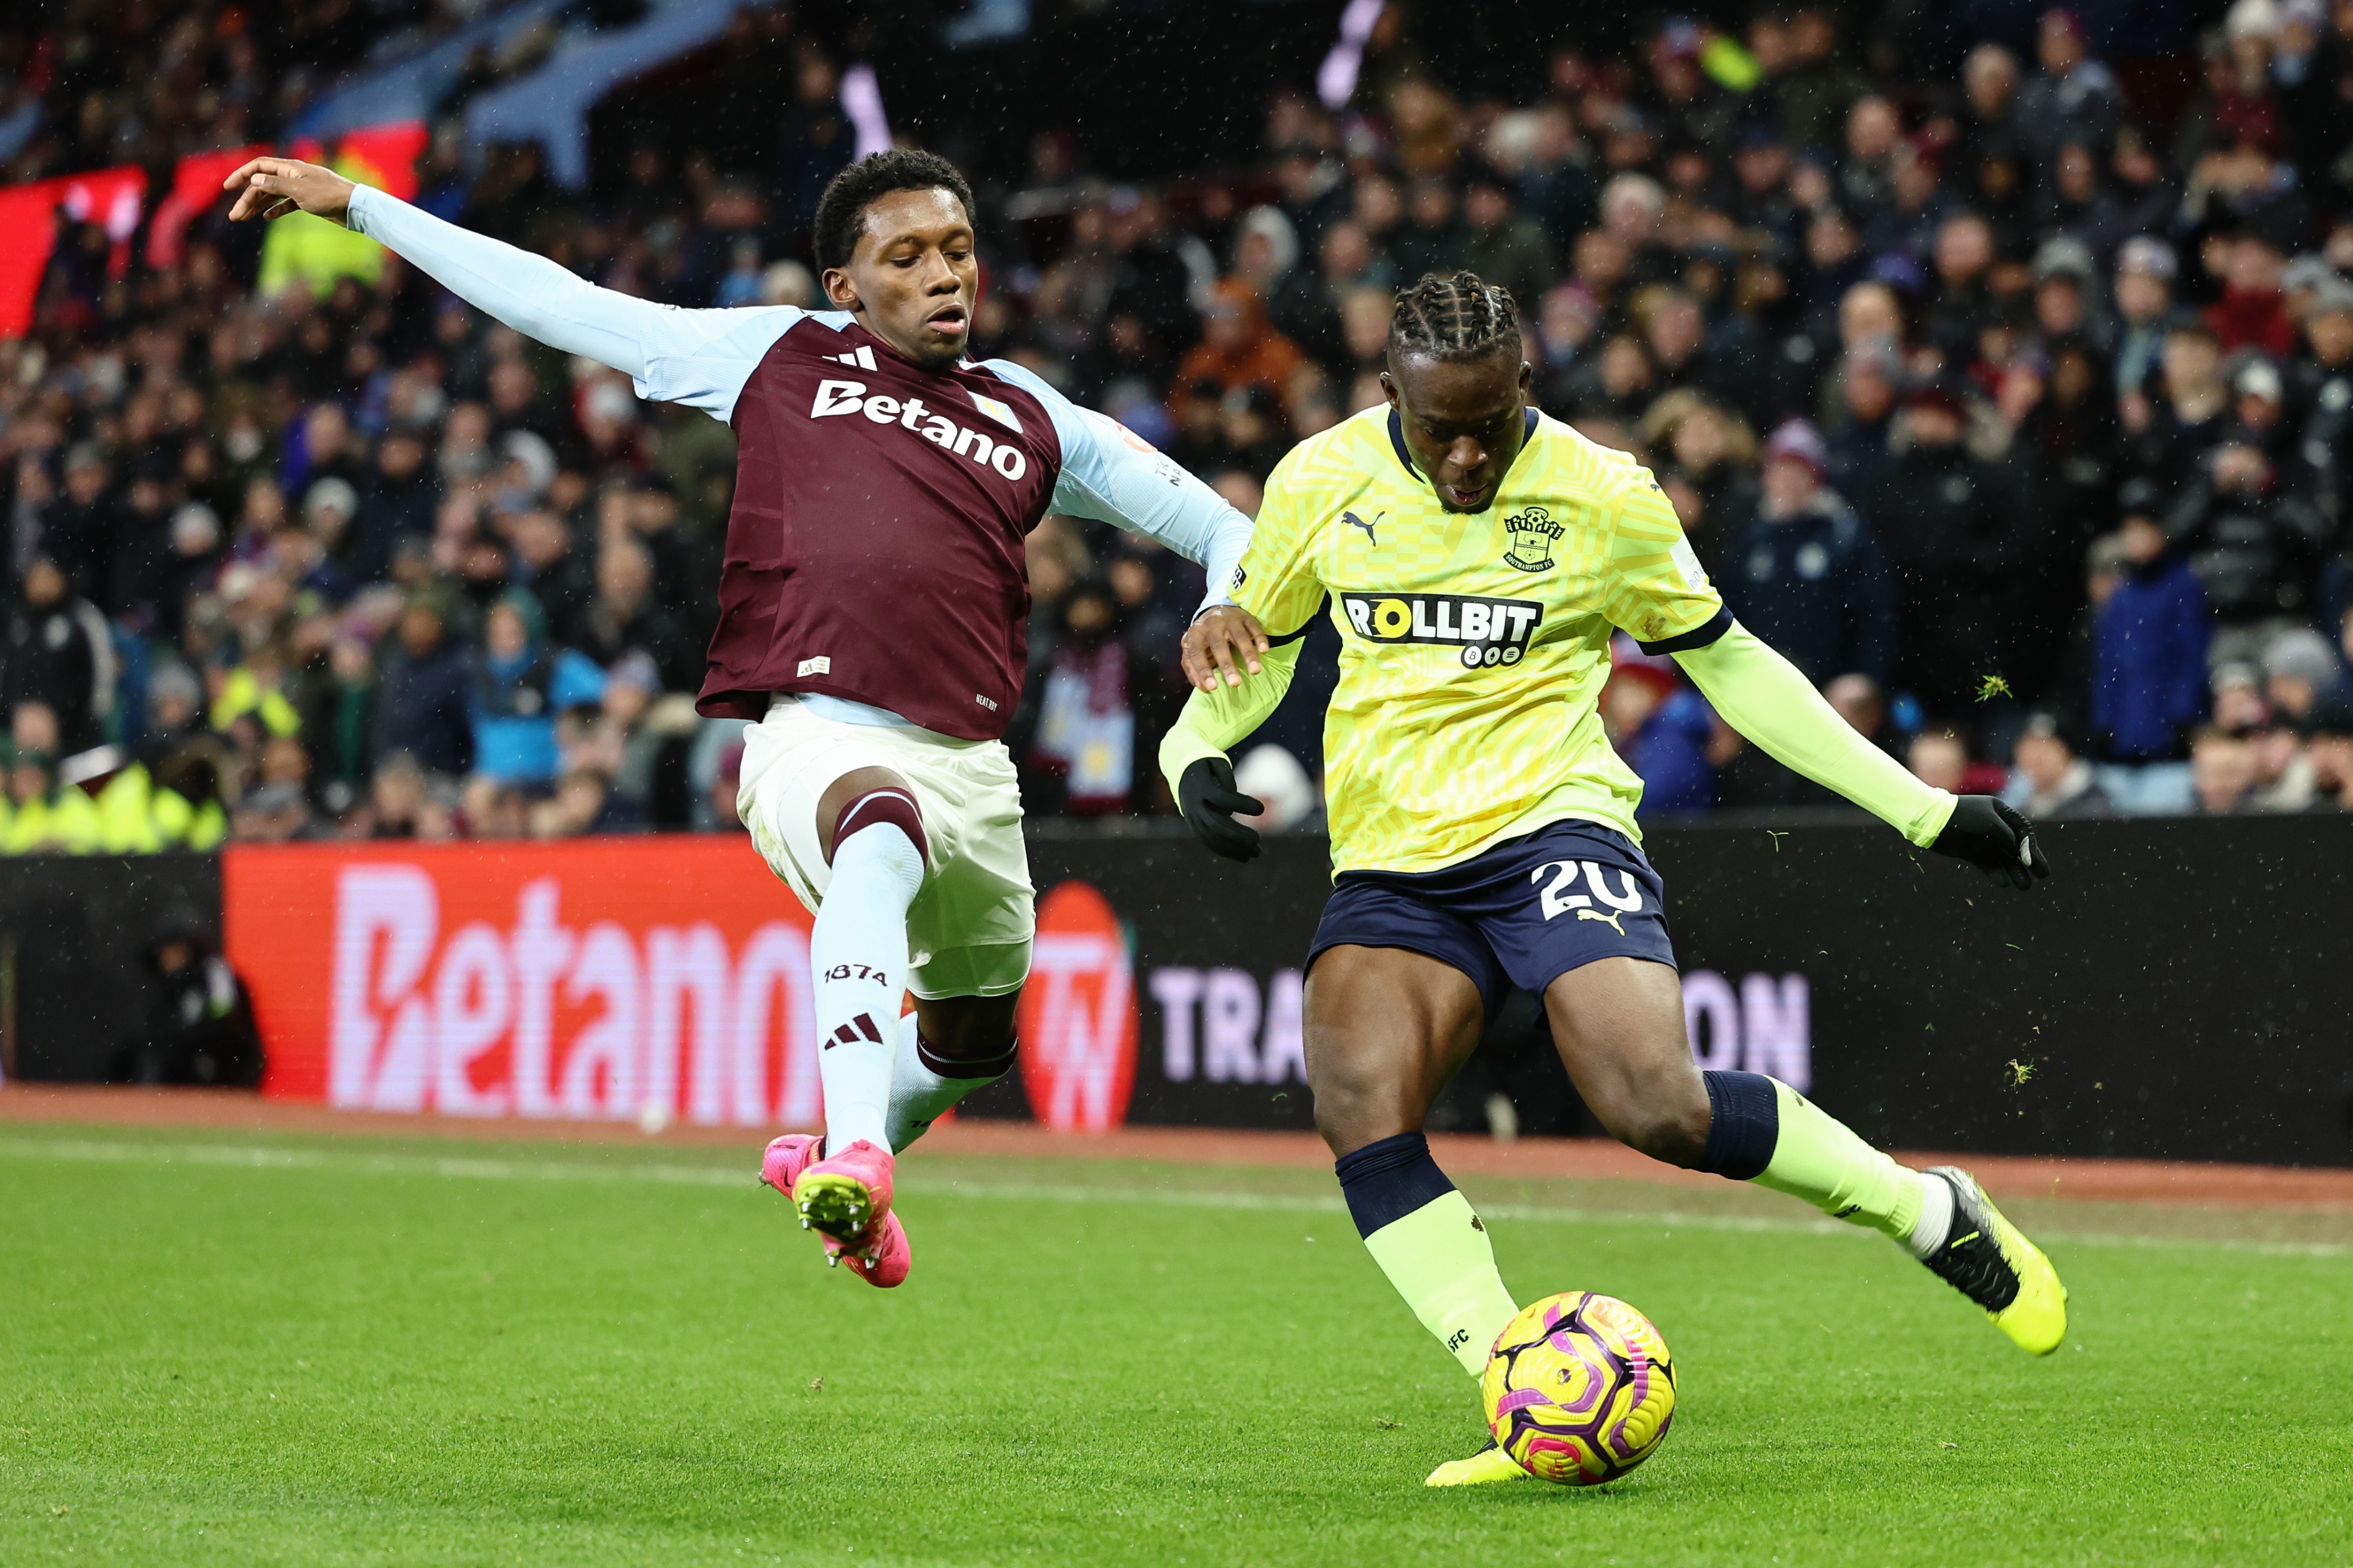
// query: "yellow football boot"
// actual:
[[1489, 1464], [1987, 1259]]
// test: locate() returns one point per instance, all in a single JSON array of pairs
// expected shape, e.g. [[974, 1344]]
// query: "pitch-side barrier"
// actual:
[[2179, 990]]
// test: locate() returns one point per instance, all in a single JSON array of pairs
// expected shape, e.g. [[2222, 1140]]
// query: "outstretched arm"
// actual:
[[1765, 697], [1114, 475], [697, 357]]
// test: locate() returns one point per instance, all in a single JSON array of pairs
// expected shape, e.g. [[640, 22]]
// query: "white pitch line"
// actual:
[[262, 1157]]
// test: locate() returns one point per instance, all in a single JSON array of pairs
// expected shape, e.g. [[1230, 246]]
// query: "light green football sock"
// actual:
[[1439, 1259], [1815, 1158]]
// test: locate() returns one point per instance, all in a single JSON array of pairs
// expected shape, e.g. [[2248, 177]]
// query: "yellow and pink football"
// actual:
[[1580, 1390]]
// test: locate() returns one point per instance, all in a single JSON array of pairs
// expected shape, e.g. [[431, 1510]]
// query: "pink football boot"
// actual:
[[880, 1257], [786, 1158], [844, 1193]]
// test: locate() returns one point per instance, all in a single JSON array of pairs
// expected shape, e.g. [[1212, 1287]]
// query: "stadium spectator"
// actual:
[[247, 488], [2223, 767], [2052, 778], [199, 1026], [2254, 546], [422, 693], [1663, 729], [59, 656], [1806, 574], [1957, 530], [2148, 677]]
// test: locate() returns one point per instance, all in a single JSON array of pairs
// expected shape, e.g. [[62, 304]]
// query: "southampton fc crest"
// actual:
[[1532, 532]]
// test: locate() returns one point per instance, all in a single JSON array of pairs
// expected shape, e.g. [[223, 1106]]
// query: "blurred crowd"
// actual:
[[2013, 411]]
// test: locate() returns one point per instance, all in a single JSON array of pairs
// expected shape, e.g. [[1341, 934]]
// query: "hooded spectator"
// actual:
[[1807, 574], [199, 1026], [513, 719]]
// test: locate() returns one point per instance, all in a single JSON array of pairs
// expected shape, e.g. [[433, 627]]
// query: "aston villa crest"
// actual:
[[1532, 532]]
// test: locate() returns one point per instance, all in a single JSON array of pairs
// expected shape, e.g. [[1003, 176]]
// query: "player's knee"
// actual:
[[968, 1028], [1353, 1109], [890, 805], [1661, 1126]]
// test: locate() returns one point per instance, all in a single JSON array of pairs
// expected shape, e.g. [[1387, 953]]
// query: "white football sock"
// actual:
[[919, 1092], [1935, 1221], [857, 964]]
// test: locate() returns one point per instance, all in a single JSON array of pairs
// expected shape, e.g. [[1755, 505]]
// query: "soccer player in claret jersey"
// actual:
[[872, 617], [1475, 556]]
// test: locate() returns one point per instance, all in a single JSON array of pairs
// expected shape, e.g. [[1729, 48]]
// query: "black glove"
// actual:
[[1206, 795], [1992, 836]]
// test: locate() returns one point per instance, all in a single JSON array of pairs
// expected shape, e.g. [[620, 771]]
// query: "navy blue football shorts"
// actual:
[[1523, 913]]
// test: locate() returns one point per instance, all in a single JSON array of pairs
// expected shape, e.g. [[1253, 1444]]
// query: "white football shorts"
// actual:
[[969, 929]]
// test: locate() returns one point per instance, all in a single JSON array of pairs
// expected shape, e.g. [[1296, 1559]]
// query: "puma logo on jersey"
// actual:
[[860, 358], [1610, 919], [1353, 521], [838, 399], [1488, 631]]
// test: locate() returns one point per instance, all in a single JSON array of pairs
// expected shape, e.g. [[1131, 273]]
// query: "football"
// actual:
[[1580, 1389]]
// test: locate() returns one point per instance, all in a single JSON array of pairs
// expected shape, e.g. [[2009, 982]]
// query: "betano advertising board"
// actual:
[[657, 979], [666, 980]]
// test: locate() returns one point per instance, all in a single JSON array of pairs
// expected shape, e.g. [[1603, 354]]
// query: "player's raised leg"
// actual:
[[1619, 1023], [871, 832], [1386, 1028]]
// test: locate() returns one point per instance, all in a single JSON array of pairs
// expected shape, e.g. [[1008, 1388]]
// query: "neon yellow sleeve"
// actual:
[[1764, 696], [1213, 722], [1654, 586]]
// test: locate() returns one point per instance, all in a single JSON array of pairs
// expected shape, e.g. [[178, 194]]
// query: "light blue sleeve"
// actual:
[[700, 358], [1114, 475]]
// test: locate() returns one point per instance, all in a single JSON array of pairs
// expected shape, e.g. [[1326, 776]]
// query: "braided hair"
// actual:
[[1456, 316]]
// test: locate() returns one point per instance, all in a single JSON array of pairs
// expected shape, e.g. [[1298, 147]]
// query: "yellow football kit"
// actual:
[[1474, 648]]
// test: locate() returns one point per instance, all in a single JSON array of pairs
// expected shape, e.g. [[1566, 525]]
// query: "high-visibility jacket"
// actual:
[[241, 694], [179, 825], [126, 814], [66, 823]]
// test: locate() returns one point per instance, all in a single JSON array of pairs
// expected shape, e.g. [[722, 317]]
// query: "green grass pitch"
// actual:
[[235, 1350]]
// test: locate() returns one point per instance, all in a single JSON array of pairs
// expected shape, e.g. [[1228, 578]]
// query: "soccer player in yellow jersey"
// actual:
[[1475, 557]]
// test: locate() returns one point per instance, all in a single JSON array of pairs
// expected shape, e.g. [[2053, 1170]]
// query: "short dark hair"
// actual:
[[842, 209], [1458, 317]]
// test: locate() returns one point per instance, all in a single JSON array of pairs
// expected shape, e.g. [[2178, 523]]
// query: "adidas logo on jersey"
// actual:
[[860, 358], [1488, 631], [837, 399]]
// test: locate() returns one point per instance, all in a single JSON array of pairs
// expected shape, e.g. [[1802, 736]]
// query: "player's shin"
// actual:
[[924, 1084], [1762, 1130], [858, 961], [1431, 1245]]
